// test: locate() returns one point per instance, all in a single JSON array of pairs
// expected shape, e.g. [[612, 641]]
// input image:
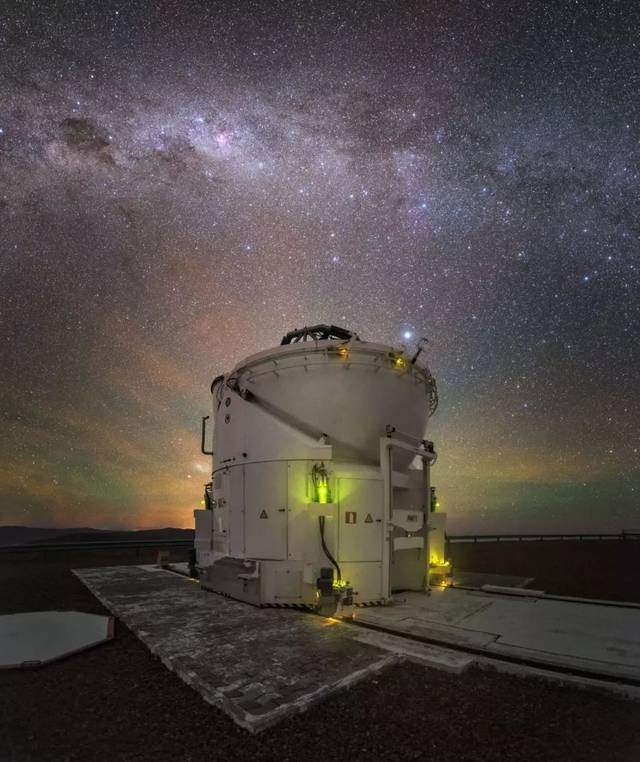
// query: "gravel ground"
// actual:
[[117, 702]]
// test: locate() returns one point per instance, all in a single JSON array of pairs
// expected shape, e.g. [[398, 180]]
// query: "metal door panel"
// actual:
[[235, 477], [360, 520], [265, 510]]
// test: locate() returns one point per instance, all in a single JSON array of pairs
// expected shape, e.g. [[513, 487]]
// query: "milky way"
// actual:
[[181, 183]]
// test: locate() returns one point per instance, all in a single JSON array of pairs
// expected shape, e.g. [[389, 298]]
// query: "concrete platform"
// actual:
[[599, 641], [35, 638], [421, 653], [258, 665]]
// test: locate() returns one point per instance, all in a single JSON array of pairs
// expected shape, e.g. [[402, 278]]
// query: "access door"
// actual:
[[265, 510], [360, 520]]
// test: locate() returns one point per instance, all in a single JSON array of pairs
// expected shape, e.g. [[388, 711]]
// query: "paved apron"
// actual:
[[258, 665]]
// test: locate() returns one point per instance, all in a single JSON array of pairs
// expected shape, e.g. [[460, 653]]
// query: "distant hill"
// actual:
[[17, 535]]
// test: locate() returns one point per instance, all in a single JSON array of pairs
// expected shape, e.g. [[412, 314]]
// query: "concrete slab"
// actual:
[[440, 606], [257, 665], [506, 590], [599, 641], [421, 653], [38, 637]]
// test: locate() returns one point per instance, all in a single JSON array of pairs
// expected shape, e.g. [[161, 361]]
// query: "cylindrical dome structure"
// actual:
[[312, 480], [345, 389]]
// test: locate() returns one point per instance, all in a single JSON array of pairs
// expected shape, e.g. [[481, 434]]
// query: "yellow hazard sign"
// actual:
[[369, 519], [263, 515]]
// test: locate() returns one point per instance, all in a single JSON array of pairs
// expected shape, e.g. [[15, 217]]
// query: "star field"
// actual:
[[181, 183]]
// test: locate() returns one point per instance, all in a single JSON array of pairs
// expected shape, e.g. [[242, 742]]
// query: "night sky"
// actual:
[[181, 183]]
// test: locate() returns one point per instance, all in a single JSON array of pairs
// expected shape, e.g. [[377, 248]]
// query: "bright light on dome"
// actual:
[[407, 335]]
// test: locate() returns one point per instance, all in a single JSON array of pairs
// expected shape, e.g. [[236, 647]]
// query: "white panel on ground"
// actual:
[[265, 506], [38, 637]]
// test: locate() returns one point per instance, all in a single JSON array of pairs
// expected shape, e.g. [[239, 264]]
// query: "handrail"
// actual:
[[95, 545], [541, 537]]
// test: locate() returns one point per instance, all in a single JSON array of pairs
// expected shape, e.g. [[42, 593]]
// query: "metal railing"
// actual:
[[188, 543], [538, 537], [96, 545]]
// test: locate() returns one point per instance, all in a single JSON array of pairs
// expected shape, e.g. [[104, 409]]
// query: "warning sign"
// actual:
[[263, 515], [350, 517], [369, 519]]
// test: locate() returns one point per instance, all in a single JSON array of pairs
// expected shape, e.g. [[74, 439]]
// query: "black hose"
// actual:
[[321, 520]]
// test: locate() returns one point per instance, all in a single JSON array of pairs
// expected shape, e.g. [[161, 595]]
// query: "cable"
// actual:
[[321, 520]]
